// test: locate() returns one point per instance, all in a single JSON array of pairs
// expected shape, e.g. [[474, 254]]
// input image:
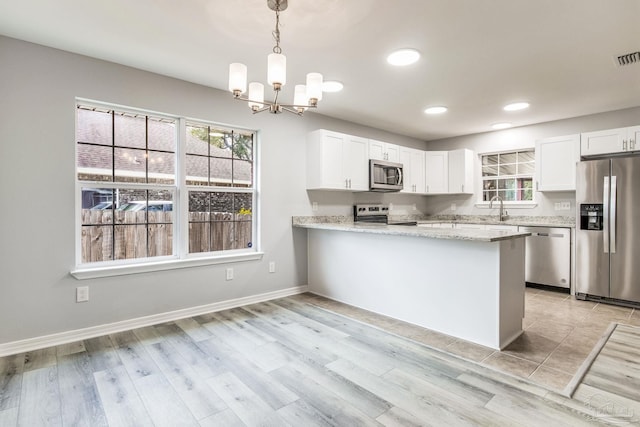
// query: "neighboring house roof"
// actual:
[[103, 129]]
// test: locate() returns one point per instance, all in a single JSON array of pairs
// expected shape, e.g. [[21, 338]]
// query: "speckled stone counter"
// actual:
[[529, 221], [342, 224]]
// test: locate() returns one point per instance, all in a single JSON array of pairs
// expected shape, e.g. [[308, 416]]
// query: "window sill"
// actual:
[[120, 270], [510, 205]]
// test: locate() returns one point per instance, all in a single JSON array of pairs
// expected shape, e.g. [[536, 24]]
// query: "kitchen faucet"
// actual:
[[502, 214]]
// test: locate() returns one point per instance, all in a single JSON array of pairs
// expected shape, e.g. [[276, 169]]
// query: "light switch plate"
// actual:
[[82, 294]]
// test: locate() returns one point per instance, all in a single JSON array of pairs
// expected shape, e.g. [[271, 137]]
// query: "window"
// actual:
[[219, 176], [508, 175], [133, 200]]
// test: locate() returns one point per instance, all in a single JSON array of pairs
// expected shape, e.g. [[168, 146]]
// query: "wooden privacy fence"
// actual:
[[148, 234]]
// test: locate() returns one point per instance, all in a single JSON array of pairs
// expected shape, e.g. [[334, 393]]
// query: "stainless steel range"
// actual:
[[376, 214]]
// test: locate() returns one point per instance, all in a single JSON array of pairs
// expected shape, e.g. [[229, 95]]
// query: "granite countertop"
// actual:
[[411, 231], [529, 221]]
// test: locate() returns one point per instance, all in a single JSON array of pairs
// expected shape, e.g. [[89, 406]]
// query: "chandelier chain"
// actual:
[[276, 32]]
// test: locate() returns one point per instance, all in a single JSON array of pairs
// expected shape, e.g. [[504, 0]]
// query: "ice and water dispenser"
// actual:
[[591, 217]]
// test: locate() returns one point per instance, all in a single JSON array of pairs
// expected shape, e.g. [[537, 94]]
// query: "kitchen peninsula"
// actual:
[[461, 282]]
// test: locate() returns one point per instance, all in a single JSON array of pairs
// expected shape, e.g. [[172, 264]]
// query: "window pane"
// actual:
[[221, 143], [490, 159], [130, 165], [508, 158], [161, 167], [197, 169], [507, 195], [526, 156], [197, 140], [162, 134], [130, 241], [160, 239], [94, 163], [221, 171], [243, 217], [489, 170], [97, 243], [506, 183], [488, 195], [243, 146], [94, 127], [526, 168], [199, 224], [507, 170], [129, 131], [242, 173]]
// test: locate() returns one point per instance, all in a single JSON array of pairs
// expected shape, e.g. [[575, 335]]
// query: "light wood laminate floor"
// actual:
[[284, 362]]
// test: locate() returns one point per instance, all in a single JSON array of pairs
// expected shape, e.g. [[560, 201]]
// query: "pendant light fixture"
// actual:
[[305, 96]]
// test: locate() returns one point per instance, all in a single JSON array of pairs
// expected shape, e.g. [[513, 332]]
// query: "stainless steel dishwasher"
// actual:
[[548, 256]]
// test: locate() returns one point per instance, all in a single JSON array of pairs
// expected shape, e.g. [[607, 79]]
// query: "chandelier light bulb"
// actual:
[[256, 95], [237, 78], [277, 70], [300, 97], [314, 88]]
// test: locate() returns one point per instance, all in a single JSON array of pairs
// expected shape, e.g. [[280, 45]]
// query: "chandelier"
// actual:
[[305, 96]]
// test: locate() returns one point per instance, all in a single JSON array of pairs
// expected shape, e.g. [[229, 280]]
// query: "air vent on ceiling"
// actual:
[[628, 59]]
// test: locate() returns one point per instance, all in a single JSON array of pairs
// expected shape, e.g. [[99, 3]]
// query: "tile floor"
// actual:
[[559, 334]]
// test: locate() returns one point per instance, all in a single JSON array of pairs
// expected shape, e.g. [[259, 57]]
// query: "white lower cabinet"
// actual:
[[336, 161]]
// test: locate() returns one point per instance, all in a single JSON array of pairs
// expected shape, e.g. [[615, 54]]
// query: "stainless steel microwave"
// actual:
[[385, 176]]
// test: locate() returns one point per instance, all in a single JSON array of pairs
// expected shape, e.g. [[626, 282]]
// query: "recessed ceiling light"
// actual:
[[501, 126], [332, 86], [516, 106], [403, 57], [435, 110]]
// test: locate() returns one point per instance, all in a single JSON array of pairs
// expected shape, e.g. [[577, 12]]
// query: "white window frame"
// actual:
[[514, 204], [181, 258]]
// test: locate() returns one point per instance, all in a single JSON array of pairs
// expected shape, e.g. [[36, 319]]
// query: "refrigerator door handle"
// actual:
[[612, 214], [605, 215]]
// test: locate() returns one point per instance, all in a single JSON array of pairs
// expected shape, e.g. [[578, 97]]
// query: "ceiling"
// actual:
[[477, 55]]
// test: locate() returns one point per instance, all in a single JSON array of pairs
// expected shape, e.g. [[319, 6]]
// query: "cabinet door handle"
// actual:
[[349, 182], [632, 144], [462, 188], [624, 144], [537, 185], [346, 183]]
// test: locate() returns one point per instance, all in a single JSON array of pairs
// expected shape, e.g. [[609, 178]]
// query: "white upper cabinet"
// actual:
[[336, 161], [556, 160], [379, 150], [436, 172], [610, 141], [461, 171], [413, 169]]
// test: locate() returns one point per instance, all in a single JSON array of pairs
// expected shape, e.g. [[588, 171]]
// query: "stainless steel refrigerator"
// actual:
[[608, 229]]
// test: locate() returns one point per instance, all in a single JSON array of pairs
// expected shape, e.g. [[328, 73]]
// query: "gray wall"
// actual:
[[37, 229], [517, 138]]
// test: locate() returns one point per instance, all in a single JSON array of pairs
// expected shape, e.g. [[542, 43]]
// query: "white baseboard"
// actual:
[[31, 344]]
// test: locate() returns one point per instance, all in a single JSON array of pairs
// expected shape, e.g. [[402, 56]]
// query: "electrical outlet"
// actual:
[[229, 273], [272, 267], [453, 207], [390, 207], [314, 206], [82, 294], [413, 207], [565, 206], [557, 206]]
